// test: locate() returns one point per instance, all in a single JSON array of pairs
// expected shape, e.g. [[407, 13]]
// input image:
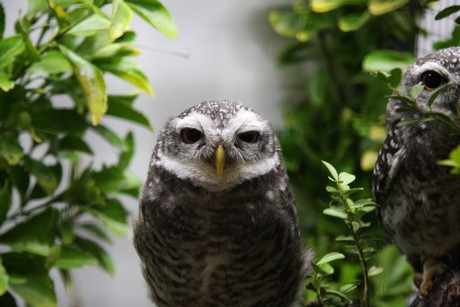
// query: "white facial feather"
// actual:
[[204, 174]]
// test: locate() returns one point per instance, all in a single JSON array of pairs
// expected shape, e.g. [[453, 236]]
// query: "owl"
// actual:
[[419, 198], [217, 223]]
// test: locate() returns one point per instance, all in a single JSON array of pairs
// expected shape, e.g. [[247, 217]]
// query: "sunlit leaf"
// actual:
[[380, 7], [10, 47], [346, 178], [10, 150], [335, 213], [72, 258], [99, 253], [125, 111], [110, 136], [113, 216], [4, 279], [373, 270], [121, 18], [352, 22], [45, 176], [386, 60], [92, 81], [34, 235], [323, 6], [5, 83], [129, 71], [97, 231], [155, 14], [38, 291], [330, 257], [331, 170], [90, 26], [52, 62]]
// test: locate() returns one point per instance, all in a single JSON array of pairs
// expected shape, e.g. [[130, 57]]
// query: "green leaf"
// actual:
[[4, 279], [5, 83], [10, 47], [331, 170], [44, 174], [10, 150], [110, 136], [447, 12], [98, 253], [386, 60], [373, 270], [129, 72], [155, 14], [122, 110], [380, 7], [5, 201], [73, 258], [323, 6], [335, 213], [121, 18], [113, 216], [34, 234], [126, 155], [109, 179], [352, 22], [346, 178], [91, 80], [97, 231], [330, 257], [53, 62], [324, 269], [90, 26], [73, 143], [2, 22], [57, 121], [114, 51], [38, 291]]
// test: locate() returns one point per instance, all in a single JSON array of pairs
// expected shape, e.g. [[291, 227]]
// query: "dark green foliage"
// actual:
[[56, 211], [351, 52]]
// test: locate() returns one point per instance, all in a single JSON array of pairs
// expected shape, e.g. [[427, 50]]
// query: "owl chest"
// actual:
[[423, 217], [218, 254]]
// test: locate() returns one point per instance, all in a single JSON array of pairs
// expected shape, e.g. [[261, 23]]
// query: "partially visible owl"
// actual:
[[420, 199], [217, 224]]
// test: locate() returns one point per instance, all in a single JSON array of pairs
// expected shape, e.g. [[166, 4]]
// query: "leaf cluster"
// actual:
[[349, 51], [57, 209]]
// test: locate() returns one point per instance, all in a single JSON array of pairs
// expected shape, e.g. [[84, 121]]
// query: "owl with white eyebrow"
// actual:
[[217, 223], [419, 198]]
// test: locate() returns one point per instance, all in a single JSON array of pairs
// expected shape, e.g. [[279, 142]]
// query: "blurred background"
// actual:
[[304, 76]]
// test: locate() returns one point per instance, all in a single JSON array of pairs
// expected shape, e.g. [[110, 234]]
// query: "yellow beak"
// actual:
[[220, 161]]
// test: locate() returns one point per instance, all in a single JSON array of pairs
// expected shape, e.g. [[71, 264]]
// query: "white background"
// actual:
[[225, 50]]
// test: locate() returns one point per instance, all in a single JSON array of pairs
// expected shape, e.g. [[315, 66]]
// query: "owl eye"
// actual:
[[432, 80], [249, 136], [190, 135]]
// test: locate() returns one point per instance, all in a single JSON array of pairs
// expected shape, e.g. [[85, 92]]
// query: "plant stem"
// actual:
[[362, 259]]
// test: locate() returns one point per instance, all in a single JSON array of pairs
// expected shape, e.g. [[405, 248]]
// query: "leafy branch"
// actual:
[[351, 212], [55, 212]]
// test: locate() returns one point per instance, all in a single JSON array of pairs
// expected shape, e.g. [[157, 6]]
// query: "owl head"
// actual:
[[433, 71], [217, 145]]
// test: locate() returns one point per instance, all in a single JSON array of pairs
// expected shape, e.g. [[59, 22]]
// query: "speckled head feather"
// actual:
[[419, 198], [217, 223]]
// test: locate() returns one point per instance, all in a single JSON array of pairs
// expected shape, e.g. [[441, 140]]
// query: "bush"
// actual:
[[55, 210]]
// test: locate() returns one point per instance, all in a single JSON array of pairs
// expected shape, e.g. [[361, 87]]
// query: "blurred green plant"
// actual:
[[338, 115], [55, 212]]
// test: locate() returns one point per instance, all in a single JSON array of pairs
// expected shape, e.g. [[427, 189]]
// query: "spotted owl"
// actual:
[[420, 199], [217, 223]]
